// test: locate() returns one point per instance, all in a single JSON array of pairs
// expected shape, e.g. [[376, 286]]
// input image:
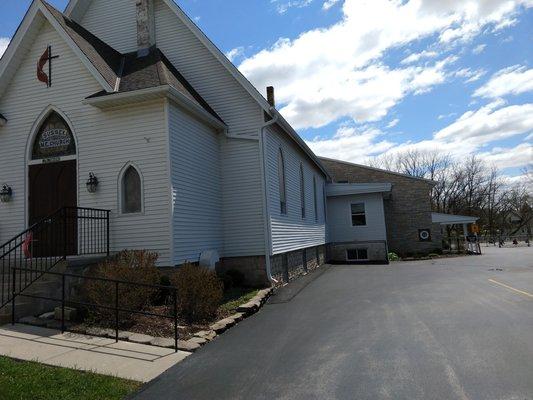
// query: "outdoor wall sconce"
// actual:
[[92, 183], [5, 194]]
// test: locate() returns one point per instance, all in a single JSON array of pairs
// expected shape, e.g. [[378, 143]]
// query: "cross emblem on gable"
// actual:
[[46, 58]]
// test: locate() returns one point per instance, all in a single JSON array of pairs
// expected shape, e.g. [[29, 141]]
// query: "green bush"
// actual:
[[393, 257], [200, 292], [433, 255], [132, 266]]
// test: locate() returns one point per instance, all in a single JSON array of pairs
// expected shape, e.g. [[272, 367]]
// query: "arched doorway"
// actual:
[[52, 181]]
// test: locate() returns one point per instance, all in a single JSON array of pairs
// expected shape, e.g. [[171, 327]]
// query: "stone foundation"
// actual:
[[288, 266], [377, 252]]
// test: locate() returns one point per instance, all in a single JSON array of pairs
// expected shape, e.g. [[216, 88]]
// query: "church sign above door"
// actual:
[[53, 140]]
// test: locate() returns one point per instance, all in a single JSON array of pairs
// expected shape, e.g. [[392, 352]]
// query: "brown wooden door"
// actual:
[[51, 187]]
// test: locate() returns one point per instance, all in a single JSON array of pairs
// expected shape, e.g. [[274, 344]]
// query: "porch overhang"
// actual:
[[451, 219], [348, 189]]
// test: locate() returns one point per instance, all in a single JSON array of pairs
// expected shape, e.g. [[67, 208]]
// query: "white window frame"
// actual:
[[282, 183], [351, 214], [302, 192], [315, 199], [121, 191], [357, 251]]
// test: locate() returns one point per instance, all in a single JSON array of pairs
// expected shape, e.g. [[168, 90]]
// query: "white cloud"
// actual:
[[488, 124], [338, 71], [393, 123], [502, 157], [471, 75], [512, 80], [417, 56], [283, 6], [328, 4], [352, 144], [4, 42], [234, 53], [469, 134], [479, 49]]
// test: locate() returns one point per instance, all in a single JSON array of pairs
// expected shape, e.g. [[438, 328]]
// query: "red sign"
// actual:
[[41, 75]]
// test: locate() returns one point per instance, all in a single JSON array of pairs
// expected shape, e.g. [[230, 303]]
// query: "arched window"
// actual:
[[315, 198], [54, 139], [302, 190], [131, 191], [282, 186]]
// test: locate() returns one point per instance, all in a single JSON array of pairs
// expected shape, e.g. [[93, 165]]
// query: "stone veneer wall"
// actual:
[[377, 252], [407, 211], [288, 266]]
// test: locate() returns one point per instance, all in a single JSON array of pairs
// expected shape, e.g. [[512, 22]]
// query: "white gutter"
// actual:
[[262, 144]]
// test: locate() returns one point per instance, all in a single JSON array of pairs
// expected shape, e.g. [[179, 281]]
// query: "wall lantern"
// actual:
[[5, 194], [92, 183]]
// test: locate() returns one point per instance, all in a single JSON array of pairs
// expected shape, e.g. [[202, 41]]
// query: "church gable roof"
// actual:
[[117, 72], [156, 70], [102, 56]]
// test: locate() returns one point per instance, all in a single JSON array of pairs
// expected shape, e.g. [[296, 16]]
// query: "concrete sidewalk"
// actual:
[[123, 359]]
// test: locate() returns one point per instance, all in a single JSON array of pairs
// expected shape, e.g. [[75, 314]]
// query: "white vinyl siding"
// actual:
[[290, 231], [196, 187], [106, 142], [206, 74], [114, 22], [340, 218], [244, 233]]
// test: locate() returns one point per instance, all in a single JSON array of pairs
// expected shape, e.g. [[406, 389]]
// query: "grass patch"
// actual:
[[234, 297], [22, 380]]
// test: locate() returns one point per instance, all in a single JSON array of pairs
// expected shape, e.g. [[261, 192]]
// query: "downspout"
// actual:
[[262, 143]]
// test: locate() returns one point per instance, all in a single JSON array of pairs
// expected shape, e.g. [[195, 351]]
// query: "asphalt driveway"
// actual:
[[448, 329]]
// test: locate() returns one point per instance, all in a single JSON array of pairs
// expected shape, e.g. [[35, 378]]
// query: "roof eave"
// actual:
[[154, 93], [282, 122], [428, 181]]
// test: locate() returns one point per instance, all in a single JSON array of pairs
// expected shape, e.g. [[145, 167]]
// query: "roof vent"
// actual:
[[145, 27]]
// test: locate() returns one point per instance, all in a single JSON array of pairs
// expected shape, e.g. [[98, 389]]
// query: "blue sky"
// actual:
[[359, 78]]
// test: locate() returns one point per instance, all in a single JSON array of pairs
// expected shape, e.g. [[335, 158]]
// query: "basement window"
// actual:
[[358, 214], [357, 254]]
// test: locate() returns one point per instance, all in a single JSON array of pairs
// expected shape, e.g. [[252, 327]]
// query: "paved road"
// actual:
[[420, 330]]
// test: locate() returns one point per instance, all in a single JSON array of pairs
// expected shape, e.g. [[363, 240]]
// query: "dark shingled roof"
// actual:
[[134, 72], [104, 58]]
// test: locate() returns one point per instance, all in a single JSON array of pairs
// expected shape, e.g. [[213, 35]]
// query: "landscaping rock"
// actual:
[[70, 313], [200, 341], [48, 315], [140, 338], [163, 342], [187, 345], [247, 308], [218, 327], [208, 335], [33, 321], [237, 317], [99, 332], [227, 321]]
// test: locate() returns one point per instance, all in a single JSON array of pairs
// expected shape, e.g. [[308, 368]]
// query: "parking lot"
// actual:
[[456, 328]]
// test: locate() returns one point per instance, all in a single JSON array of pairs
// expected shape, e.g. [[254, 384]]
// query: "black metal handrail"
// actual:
[[69, 231], [116, 308]]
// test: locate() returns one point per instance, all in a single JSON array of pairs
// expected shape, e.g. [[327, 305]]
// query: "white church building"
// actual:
[[126, 106]]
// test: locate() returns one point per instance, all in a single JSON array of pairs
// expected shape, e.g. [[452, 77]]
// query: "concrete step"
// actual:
[[39, 284]]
